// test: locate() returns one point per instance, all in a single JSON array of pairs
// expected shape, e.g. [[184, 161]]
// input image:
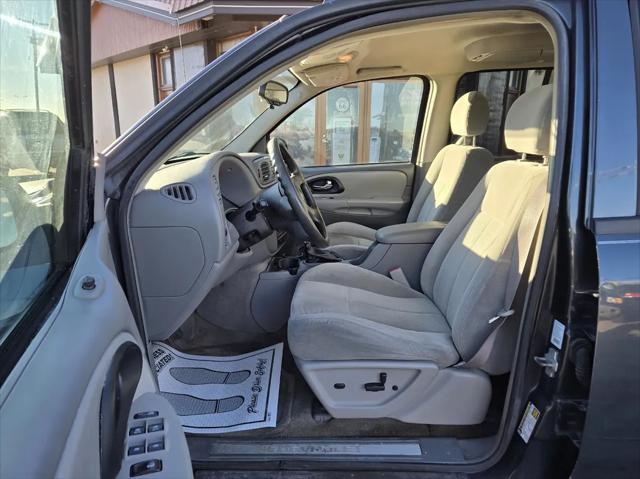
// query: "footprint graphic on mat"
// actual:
[[199, 376], [186, 405]]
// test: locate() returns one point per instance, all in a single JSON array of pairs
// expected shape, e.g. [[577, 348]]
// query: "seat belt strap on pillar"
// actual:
[[525, 248], [523, 252]]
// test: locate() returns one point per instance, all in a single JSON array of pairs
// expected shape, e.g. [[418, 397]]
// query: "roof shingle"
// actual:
[[178, 5]]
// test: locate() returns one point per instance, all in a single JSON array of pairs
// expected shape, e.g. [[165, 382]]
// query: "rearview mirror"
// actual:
[[274, 93]]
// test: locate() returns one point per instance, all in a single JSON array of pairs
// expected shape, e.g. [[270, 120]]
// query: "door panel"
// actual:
[[50, 404], [72, 358], [374, 195], [617, 347]]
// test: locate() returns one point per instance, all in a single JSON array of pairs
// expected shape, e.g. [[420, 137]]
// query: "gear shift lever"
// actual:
[[312, 254]]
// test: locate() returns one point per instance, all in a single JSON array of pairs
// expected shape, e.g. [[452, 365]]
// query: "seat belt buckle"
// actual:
[[502, 314], [398, 276]]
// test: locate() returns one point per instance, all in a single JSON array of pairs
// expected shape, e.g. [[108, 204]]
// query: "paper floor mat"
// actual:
[[213, 395]]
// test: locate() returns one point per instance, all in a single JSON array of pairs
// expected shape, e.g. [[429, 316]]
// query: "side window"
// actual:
[[501, 89], [34, 150], [367, 122]]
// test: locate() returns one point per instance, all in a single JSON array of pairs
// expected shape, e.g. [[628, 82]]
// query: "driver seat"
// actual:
[[450, 179], [371, 347]]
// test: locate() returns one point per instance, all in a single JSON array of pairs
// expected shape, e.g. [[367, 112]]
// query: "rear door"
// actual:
[[73, 367], [357, 144], [611, 436]]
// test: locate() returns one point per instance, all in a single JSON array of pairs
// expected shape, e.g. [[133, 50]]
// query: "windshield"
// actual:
[[224, 126]]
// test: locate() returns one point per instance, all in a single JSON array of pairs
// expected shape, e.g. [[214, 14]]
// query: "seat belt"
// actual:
[[398, 276], [529, 226]]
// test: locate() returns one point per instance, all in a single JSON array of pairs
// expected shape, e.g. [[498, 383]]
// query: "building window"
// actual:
[[164, 69]]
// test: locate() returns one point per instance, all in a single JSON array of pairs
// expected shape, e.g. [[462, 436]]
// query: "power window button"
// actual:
[[159, 426], [146, 467], [137, 430], [156, 446], [133, 450]]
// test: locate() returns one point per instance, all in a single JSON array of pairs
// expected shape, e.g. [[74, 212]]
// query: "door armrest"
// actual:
[[411, 233]]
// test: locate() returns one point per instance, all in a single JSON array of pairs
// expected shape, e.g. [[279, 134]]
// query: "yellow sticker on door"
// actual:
[[528, 422]]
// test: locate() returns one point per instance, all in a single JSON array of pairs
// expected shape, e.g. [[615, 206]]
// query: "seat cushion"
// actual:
[[343, 312]]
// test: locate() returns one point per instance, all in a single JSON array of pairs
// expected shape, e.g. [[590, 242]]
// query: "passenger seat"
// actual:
[[451, 178]]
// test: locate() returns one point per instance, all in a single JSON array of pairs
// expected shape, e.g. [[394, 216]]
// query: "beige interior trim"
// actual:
[[436, 46], [435, 132]]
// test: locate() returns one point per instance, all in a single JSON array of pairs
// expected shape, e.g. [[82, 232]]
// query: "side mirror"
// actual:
[[274, 93], [8, 226]]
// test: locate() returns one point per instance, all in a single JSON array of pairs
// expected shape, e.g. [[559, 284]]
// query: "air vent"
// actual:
[[265, 171], [182, 192]]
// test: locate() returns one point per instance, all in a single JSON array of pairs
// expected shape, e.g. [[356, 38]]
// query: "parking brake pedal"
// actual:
[[379, 386]]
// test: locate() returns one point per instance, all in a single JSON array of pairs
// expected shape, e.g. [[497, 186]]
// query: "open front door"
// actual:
[[77, 395]]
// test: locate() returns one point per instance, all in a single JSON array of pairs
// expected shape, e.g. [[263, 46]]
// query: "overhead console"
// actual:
[[183, 242]]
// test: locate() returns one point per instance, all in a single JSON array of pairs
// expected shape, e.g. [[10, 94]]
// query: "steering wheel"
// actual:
[[298, 193]]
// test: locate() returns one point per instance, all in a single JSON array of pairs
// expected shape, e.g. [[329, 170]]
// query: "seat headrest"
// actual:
[[470, 114], [528, 124]]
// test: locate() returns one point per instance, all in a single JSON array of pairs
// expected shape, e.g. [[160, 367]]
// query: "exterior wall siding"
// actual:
[[114, 31], [134, 90], [126, 43]]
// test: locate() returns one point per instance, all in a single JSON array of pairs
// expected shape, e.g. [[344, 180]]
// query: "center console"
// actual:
[[402, 246]]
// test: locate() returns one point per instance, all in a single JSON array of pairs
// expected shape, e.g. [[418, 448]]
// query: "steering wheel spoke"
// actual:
[[298, 193]]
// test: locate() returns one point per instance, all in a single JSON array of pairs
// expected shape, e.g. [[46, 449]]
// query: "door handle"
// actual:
[[326, 186]]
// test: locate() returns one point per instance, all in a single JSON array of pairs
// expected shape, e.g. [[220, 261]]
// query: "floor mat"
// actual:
[[213, 395]]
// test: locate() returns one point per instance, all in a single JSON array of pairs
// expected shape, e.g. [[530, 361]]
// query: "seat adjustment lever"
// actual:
[[379, 386]]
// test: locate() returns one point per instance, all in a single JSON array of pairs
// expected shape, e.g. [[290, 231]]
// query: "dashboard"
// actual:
[[182, 238]]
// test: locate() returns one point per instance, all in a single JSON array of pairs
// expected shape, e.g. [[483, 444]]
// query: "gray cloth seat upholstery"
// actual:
[[358, 314], [342, 312], [349, 240], [451, 177]]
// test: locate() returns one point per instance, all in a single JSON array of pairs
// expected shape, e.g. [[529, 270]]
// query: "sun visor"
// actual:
[[325, 75], [517, 48]]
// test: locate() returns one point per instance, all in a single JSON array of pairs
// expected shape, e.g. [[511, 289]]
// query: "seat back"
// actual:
[[469, 268], [458, 168]]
